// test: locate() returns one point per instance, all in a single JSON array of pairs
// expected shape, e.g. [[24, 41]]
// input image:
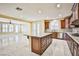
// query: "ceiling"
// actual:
[[36, 11]]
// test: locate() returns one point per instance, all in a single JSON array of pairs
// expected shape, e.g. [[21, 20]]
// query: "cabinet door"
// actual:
[[46, 24], [65, 36], [55, 35], [35, 44], [62, 24], [75, 49], [78, 50], [72, 46], [43, 43], [69, 42]]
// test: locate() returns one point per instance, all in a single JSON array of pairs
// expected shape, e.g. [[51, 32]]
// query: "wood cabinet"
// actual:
[[78, 50], [70, 42], [40, 44], [67, 21], [75, 12], [46, 23], [73, 46], [62, 24], [54, 34]]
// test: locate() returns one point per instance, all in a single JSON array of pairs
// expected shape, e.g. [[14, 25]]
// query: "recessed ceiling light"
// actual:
[[58, 5], [39, 11]]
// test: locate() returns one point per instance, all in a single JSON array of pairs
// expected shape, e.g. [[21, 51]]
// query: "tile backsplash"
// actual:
[[75, 30]]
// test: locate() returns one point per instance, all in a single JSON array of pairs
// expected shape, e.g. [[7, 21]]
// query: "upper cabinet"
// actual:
[[62, 24], [67, 21], [75, 14], [46, 23], [75, 11]]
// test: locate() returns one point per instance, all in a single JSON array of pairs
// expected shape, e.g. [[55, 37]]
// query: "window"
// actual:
[[10, 27], [6, 27], [54, 25], [0, 27], [16, 29], [21, 28], [3, 27]]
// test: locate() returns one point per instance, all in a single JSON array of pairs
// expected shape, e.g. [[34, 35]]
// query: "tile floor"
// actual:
[[18, 45]]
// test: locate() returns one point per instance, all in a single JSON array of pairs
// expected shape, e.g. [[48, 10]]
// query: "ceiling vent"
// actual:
[[18, 9]]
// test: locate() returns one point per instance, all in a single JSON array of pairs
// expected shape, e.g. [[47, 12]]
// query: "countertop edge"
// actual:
[[73, 37]]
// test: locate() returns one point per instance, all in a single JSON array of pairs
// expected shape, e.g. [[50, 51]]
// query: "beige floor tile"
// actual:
[[17, 45]]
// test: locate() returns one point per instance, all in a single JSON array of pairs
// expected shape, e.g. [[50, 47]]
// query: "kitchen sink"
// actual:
[[75, 34]]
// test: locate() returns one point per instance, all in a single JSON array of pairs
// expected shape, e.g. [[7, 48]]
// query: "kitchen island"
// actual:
[[39, 43]]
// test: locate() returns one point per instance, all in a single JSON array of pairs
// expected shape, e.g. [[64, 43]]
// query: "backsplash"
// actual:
[[75, 30]]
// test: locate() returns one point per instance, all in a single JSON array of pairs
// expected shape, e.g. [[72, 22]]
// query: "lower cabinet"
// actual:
[[78, 50], [55, 35], [73, 46], [40, 44], [75, 49]]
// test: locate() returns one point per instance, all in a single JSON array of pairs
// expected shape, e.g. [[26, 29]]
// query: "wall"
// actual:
[[26, 28]]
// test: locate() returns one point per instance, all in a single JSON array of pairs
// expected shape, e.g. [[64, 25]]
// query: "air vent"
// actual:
[[18, 9]]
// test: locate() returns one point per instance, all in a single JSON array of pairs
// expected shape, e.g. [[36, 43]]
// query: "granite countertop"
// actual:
[[40, 35], [58, 30], [75, 38]]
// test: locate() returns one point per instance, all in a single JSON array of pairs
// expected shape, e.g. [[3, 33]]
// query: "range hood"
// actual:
[[75, 23]]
